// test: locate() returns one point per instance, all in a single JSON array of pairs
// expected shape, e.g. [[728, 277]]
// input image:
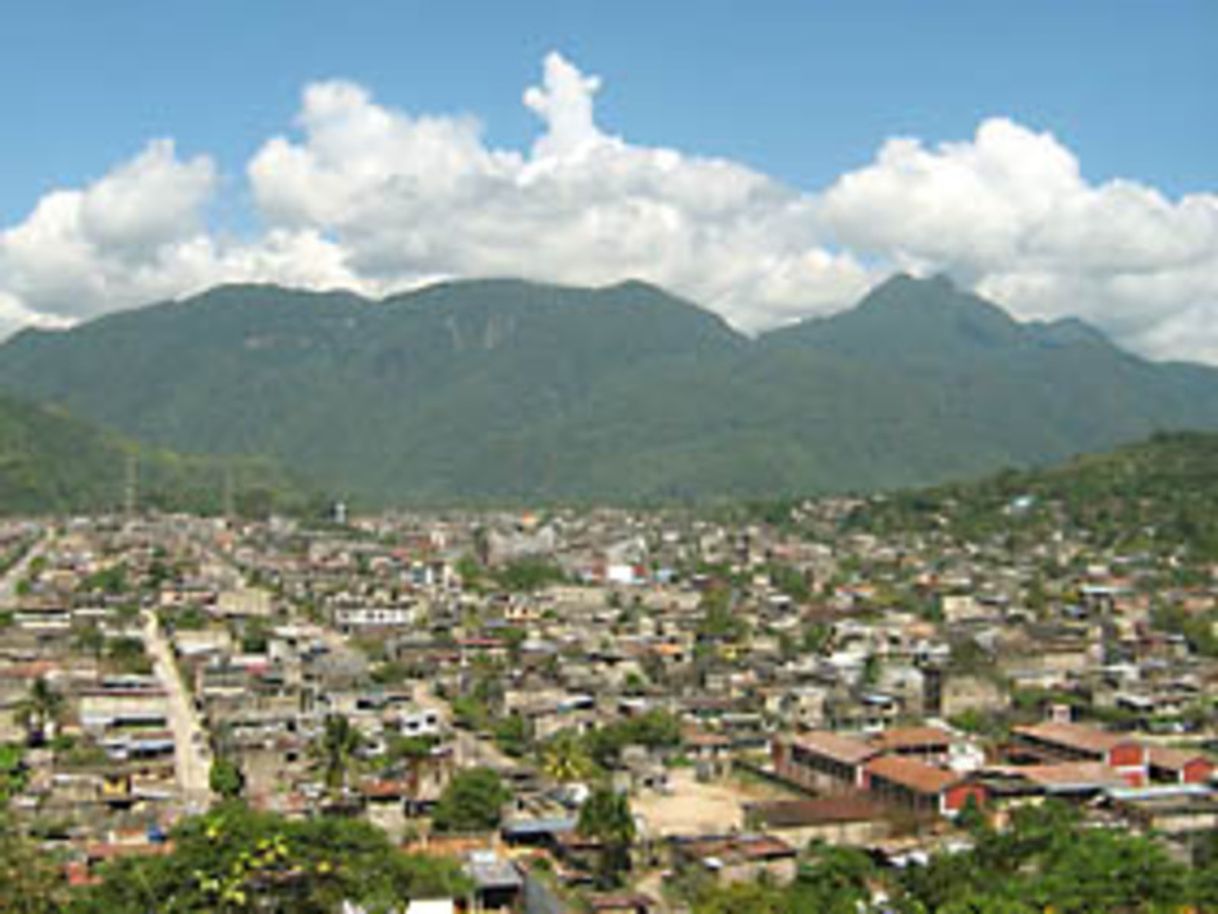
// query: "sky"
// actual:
[[769, 160]]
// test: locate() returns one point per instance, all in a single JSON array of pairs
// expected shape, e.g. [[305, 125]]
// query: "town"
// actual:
[[607, 710]]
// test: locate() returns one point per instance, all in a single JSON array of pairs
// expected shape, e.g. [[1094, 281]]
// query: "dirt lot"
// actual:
[[691, 807]]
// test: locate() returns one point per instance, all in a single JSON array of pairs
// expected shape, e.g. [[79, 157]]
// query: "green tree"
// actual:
[[606, 817], [835, 880], [31, 881], [742, 898], [40, 711], [564, 758], [334, 751], [13, 773], [473, 801], [226, 778], [89, 639], [512, 734], [237, 861]]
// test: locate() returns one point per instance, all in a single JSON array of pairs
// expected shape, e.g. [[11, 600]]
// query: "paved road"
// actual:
[[192, 757]]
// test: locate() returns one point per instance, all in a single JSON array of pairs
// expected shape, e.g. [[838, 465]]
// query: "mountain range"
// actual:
[[504, 390]]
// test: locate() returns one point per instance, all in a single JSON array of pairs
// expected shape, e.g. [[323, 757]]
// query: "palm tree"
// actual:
[[334, 750], [40, 711], [564, 758]]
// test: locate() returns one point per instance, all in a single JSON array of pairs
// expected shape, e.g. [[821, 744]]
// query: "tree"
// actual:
[[511, 734], [128, 655], [473, 801], [13, 773], [31, 882], [606, 817], [334, 750], [226, 778], [833, 880], [565, 759], [89, 639], [40, 711], [742, 898], [237, 860], [872, 668]]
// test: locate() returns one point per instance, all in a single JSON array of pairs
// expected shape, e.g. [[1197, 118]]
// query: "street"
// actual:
[[192, 756]]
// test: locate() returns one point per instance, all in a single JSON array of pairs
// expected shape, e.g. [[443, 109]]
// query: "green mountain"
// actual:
[[51, 462], [501, 389]]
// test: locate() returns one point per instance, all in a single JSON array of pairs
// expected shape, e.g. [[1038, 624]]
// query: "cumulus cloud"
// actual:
[[362, 196], [1010, 214], [409, 197]]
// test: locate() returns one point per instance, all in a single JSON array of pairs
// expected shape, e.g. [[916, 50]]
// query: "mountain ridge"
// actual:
[[510, 389]]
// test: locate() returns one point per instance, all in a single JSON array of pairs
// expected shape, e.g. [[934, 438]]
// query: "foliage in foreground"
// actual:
[[1047, 861], [236, 860]]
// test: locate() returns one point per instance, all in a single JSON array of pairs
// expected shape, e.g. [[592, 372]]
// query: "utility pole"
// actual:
[[131, 488], [227, 497]]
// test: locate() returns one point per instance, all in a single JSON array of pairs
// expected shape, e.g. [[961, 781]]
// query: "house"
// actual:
[[498, 885], [928, 744], [822, 760], [738, 858], [853, 818], [914, 785], [621, 903], [1065, 780], [1184, 813], [1179, 766], [1063, 741]]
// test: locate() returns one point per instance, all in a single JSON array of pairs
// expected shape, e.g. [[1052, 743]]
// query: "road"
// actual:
[[192, 757]]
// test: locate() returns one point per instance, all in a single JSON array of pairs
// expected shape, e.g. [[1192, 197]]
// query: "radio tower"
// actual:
[[227, 505], [131, 489]]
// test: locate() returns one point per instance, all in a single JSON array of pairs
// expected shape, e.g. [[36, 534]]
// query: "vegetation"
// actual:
[[13, 774], [527, 574], [51, 462], [236, 860], [622, 393], [473, 801], [334, 752], [40, 711], [226, 779], [31, 882], [1159, 495], [565, 759], [1046, 861], [656, 729], [606, 818]]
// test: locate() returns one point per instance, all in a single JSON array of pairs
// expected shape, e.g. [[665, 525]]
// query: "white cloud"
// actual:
[[408, 197], [1010, 213], [366, 197]]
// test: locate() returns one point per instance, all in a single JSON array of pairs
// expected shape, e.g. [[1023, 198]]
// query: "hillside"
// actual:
[[53, 463], [506, 390], [1160, 494]]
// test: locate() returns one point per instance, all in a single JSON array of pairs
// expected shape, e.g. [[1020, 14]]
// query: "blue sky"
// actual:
[[800, 90], [770, 160]]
